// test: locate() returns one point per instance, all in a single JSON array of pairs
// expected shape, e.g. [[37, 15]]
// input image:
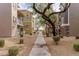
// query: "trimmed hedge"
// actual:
[[2, 43], [13, 51]]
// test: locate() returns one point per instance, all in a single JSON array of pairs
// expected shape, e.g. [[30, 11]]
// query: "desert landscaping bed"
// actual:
[[24, 49], [65, 47], [9, 42]]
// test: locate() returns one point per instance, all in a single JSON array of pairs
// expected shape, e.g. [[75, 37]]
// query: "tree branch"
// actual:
[[65, 8], [42, 14], [47, 7], [47, 24], [48, 20], [34, 7]]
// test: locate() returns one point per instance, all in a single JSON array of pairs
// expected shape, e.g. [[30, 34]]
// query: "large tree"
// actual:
[[45, 10]]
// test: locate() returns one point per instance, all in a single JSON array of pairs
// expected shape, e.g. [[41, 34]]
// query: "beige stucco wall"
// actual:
[[5, 19], [74, 19], [8, 26]]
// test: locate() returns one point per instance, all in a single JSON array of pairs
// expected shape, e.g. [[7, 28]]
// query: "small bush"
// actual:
[[21, 41], [56, 39], [30, 33], [21, 35], [76, 47], [61, 36], [77, 37], [13, 51], [2, 42], [34, 32]]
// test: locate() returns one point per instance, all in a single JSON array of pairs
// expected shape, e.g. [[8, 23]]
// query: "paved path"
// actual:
[[40, 49]]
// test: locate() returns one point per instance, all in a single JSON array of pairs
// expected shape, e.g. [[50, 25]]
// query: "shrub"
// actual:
[[21, 35], [13, 51], [77, 37], [30, 33], [76, 47], [2, 42], [21, 41], [34, 32], [56, 39], [61, 36]]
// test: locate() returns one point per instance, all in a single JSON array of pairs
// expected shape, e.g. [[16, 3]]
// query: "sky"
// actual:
[[28, 5], [56, 6], [25, 5]]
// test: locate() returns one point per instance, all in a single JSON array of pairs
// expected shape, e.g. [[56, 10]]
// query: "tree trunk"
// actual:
[[55, 37], [54, 32], [47, 33]]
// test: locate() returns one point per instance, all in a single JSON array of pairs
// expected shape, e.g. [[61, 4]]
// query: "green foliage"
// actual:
[[76, 47], [13, 51], [42, 21], [48, 11], [2, 42], [41, 8], [53, 18]]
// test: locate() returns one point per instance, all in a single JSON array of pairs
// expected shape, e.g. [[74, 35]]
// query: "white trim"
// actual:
[[65, 24], [68, 17]]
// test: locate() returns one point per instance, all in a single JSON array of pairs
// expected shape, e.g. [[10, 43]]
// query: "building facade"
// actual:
[[70, 20], [8, 17], [28, 22]]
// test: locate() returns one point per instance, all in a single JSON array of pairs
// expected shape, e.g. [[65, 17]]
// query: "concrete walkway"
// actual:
[[40, 49]]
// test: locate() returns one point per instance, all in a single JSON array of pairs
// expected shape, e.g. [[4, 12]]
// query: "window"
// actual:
[[65, 21], [65, 18]]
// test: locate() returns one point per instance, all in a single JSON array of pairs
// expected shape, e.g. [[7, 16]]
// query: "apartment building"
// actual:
[[28, 22], [8, 17], [70, 20]]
